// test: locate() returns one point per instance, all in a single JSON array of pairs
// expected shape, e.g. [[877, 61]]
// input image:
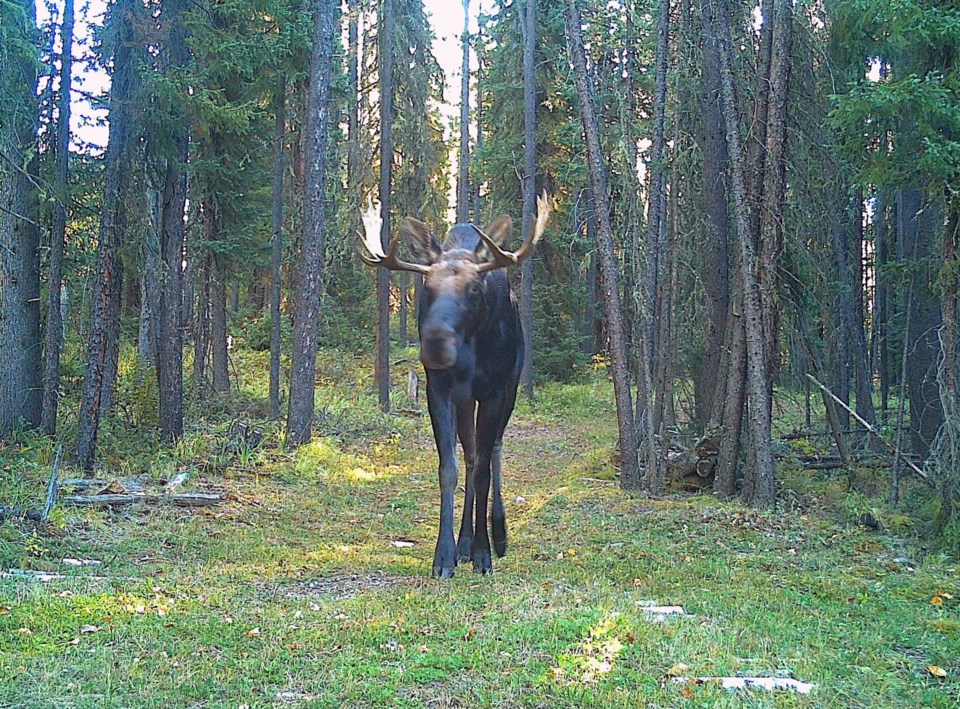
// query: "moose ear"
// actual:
[[500, 231], [419, 240]]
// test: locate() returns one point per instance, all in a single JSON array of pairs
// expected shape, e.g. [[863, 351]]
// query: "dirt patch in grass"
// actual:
[[527, 430], [338, 587]]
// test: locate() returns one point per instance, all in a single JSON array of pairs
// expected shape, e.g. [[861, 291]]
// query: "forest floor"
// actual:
[[309, 585]]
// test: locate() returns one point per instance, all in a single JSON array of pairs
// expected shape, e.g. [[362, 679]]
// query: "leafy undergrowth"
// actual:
[[310, 586]]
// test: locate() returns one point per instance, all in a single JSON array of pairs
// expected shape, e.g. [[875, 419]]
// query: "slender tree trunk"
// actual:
[[54, 333], [762, 492], [629, 473], [948, 307], [220, 360], [757, 137], [382, 373], [148, 331], [172, 278], [276, 272], [103, 344], [589, 335], [880, 333], [771, 207], [463, 176], [308, 278], [201, 341], [529, 185], [477, 216]]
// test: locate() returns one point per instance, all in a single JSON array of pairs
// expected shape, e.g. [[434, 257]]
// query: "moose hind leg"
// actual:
[[488, 429], [466, 430], [498, 518]]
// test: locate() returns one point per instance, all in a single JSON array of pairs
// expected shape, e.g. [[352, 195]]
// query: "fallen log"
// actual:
[[185, 499]]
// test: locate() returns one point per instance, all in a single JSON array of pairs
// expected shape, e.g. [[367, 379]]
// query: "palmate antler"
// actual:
[[501, 258], [372, 224]]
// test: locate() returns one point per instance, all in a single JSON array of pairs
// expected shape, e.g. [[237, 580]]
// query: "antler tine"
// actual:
[[372, 224], [502, 258]]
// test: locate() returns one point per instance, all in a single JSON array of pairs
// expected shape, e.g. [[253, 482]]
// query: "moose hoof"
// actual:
[[464, 553], [482, 563], [443, 572]]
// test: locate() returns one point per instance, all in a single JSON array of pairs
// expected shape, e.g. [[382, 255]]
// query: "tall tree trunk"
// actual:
[[880, 332], [714, 251], [629, 473], [771, 207], [21, 392], [103, 344], [280, 101], [54, 333], [529, 185], [171, 316], [762, 492], [308, 278], [463, 175], [382, 373]]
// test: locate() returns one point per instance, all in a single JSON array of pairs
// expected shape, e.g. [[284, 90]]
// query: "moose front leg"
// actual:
[[442, 413]]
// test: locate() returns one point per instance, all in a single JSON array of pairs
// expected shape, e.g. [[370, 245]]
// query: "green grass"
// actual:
[[293, 594]]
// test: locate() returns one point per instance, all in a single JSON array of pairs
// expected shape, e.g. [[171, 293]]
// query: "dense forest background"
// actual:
[[756, 221]]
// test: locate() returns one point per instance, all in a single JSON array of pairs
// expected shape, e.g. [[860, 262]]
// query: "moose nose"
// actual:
[[438, 347]]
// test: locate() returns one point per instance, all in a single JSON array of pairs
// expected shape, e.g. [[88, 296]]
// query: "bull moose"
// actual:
[[471, 346]]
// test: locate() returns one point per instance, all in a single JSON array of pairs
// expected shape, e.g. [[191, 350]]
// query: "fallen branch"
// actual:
[[873, 431], [191, 499], [80, 484]]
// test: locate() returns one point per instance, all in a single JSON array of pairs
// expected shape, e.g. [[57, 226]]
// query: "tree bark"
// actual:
[[54, 332], [173, 205], [771, 207], [308, 278], [629, 472], [103, 344], [21, 392], [714, 251], [148, 330], [276, 274], [762, 492], [529, 186]]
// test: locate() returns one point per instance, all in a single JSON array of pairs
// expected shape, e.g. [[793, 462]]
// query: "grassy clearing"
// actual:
[[295, 593]]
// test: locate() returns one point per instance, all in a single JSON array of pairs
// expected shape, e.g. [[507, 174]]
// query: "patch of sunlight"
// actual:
[[360, 475], [595, 656], [317, 458]]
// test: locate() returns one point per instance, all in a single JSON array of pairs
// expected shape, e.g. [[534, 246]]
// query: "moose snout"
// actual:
[[438, 347]]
